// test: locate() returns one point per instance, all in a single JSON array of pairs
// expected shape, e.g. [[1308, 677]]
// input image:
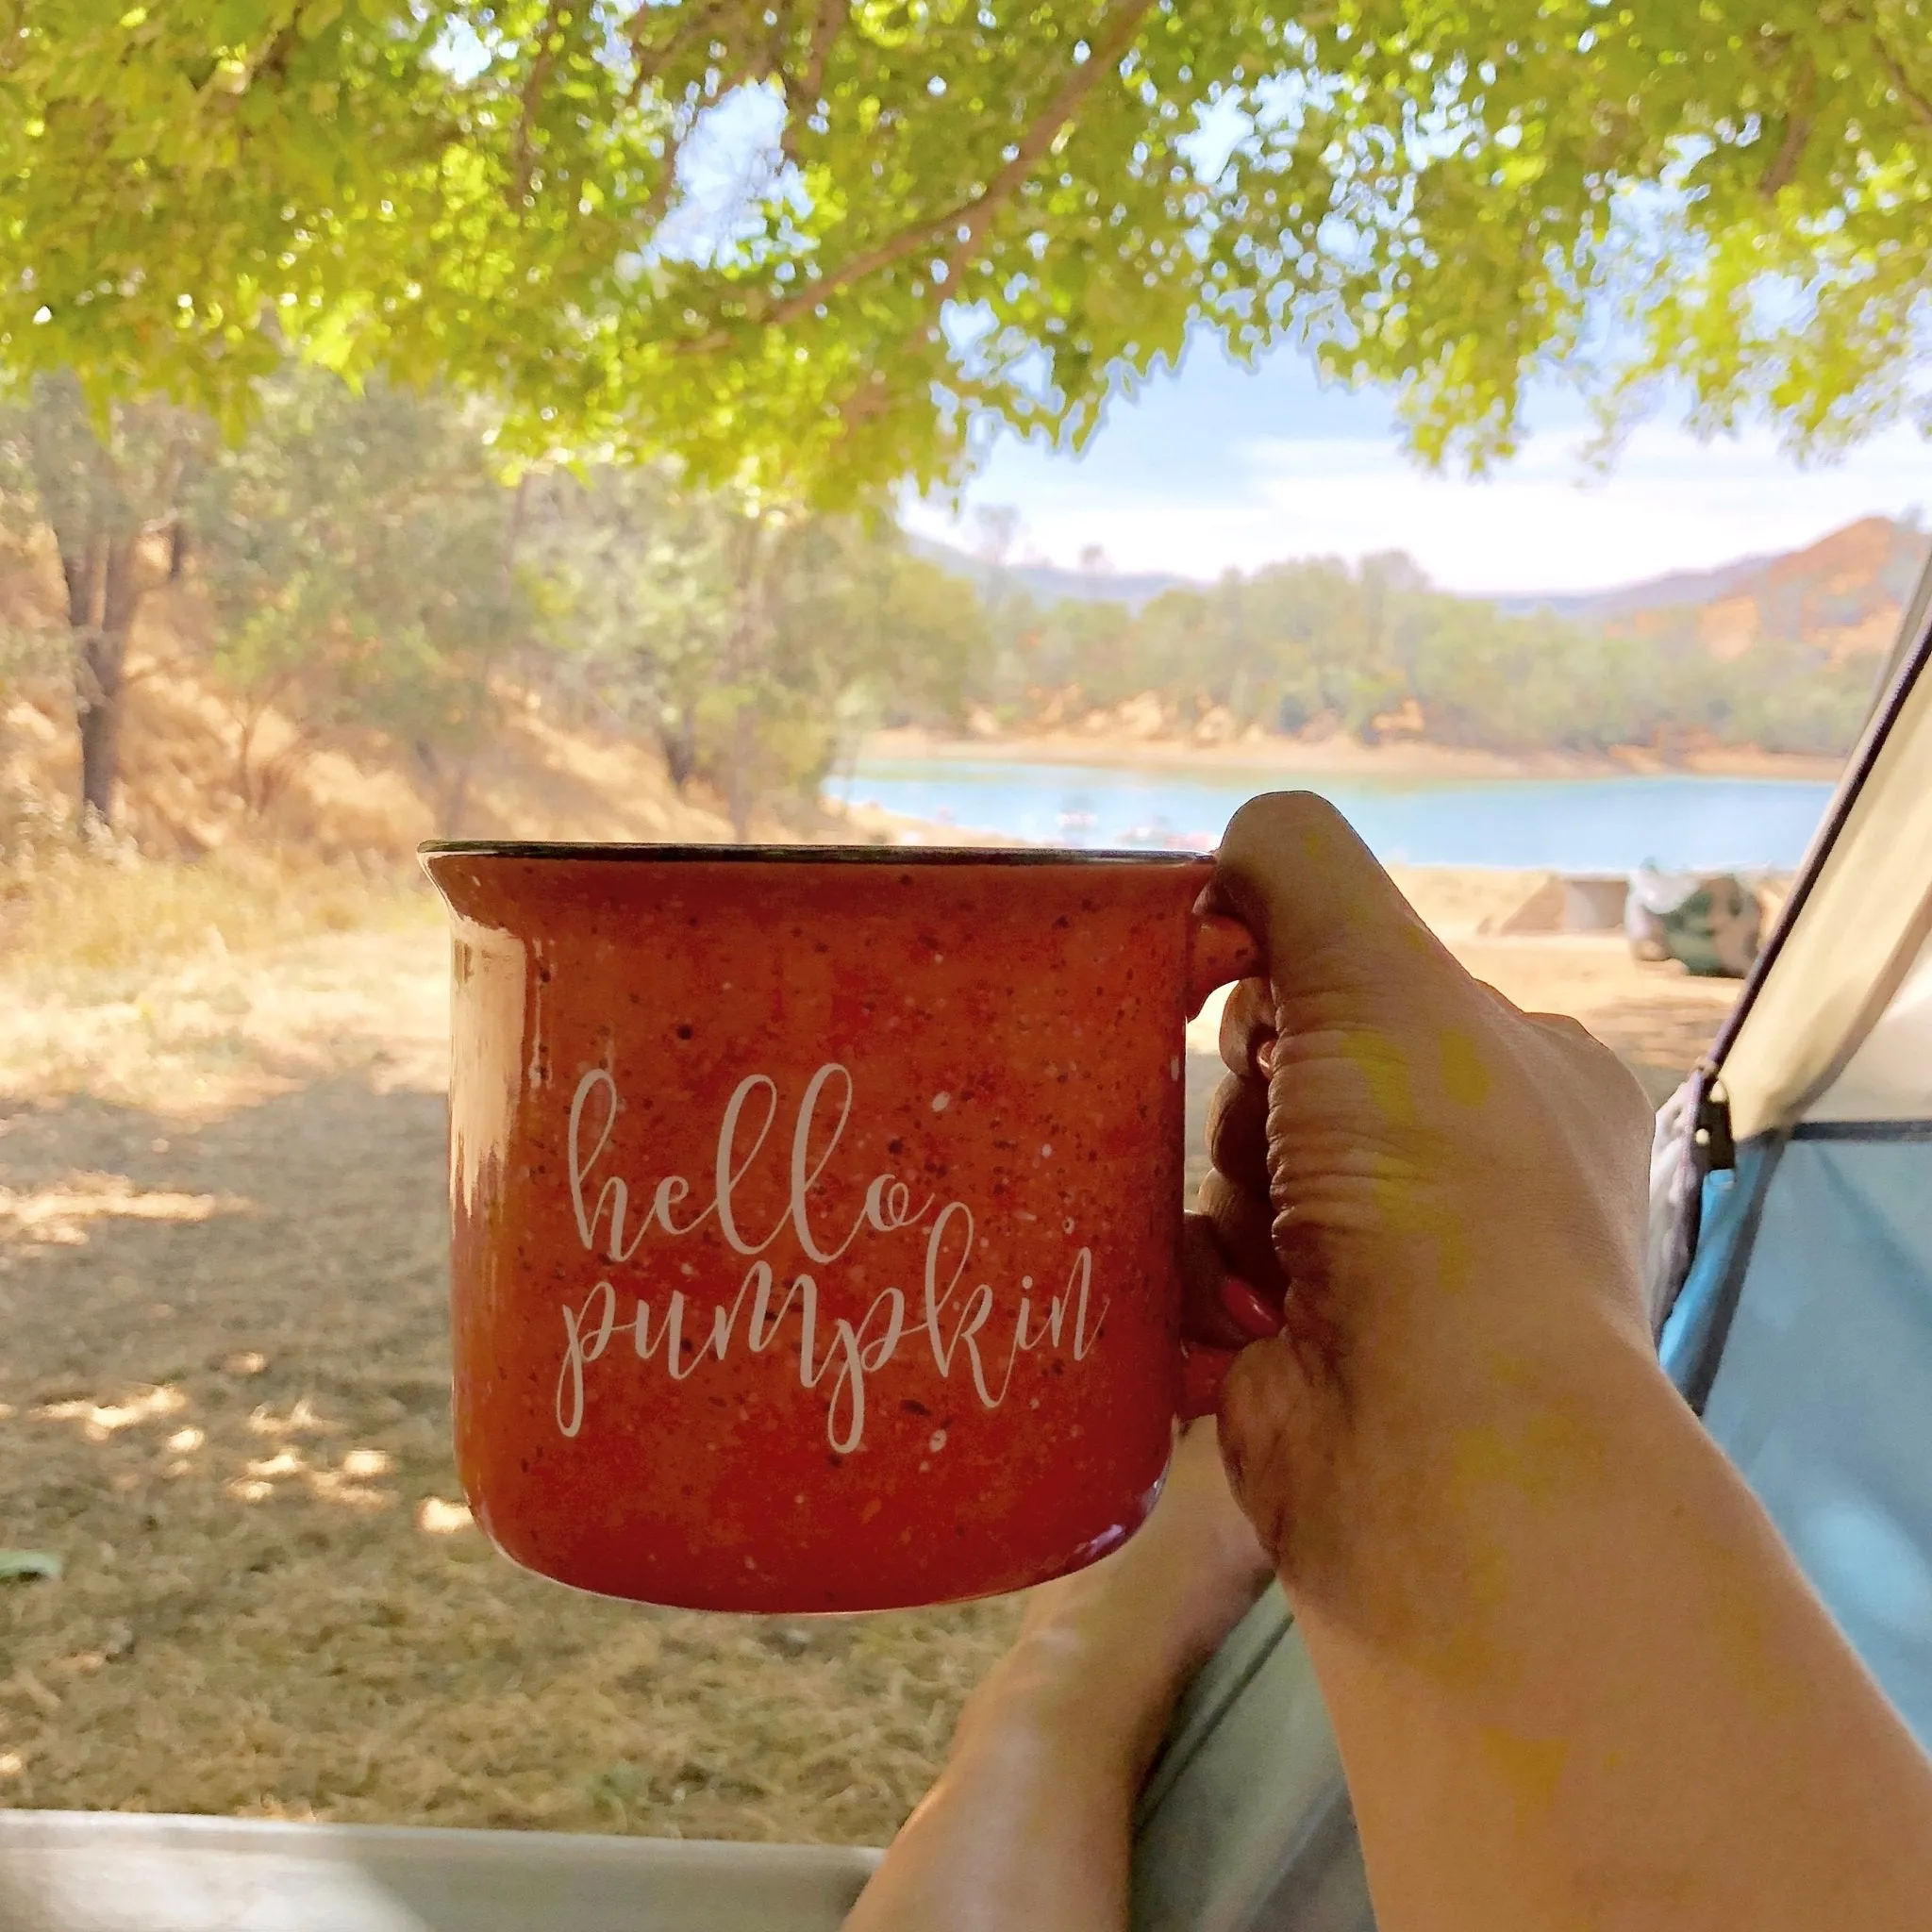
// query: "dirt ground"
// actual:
[[224, 1405]]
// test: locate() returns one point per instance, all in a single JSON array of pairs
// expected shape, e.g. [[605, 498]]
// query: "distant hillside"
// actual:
[[1844, 595], [1046, 583], [1651, 594]]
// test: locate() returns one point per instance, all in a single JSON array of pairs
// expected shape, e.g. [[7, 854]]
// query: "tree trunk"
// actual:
[[105, 656], [737, 785], [745, 669], [102, 593], [677, 739], [456, 798], [100, 748], [449, 786]]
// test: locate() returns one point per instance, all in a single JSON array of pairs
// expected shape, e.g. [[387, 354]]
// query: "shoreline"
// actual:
[[1341, 757]]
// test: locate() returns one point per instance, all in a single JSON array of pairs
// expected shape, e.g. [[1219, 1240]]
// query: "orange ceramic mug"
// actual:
[[817, 1211]]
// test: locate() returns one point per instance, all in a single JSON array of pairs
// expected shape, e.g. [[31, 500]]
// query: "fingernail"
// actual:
[[1248, 1309]]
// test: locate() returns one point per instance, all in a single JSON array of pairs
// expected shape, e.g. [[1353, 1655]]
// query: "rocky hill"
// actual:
[[1843, 594]]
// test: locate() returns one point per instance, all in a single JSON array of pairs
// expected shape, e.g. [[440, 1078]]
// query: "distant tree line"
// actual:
[[369, 565], [1371, 649]]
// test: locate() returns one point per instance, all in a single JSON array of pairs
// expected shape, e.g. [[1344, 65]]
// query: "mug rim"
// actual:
[[642, 852]]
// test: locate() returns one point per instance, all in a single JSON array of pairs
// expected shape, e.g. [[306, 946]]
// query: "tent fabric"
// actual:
[[1693, 1336], [1888, 1075], [1822, 1394], [1855, 931], [1245, 1823]]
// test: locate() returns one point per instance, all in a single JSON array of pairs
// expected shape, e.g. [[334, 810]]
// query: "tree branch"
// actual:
[[968, 221], [652, 61], [1901, 81], [274, 64], [825, 28], [664, 190], [1797, 131], [533, 83]]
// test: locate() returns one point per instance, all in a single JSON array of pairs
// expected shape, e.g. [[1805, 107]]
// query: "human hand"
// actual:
[[1445, 1196]]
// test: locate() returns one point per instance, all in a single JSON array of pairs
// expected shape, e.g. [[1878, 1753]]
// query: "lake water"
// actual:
[[1565, 824]]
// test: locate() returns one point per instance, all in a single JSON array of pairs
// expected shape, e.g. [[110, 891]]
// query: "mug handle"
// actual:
[[1220, 951]]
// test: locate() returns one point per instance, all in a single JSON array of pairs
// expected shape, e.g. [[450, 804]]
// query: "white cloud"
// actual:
[[1541, 524]]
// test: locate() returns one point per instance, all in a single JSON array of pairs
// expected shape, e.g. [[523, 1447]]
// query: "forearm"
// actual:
[[1647, 1721]]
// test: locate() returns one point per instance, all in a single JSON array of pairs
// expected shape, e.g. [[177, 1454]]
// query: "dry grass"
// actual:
[[191, 988], [71, 919]]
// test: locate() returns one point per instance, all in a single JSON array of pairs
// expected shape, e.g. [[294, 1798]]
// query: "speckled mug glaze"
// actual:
[[816, 1213]]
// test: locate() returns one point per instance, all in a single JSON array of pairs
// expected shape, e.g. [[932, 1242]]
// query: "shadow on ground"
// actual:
[[225, 1408]]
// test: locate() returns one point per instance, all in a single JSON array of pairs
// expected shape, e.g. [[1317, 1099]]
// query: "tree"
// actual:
[[1318, 642], [112, 494], [358, 551], [639, 597], [751, 639], [807, 243]]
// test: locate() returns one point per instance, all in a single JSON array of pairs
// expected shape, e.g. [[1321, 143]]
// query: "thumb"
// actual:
[[1341, 943]]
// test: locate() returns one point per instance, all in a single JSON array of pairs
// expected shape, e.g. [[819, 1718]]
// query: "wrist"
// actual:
[[1449, 1561], [1435, 1518], [1078, 1689]]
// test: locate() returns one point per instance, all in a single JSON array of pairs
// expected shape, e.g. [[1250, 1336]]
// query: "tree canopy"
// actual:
[[810, 240]]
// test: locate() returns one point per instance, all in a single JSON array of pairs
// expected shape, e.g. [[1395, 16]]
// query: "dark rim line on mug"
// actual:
[[803, 855]]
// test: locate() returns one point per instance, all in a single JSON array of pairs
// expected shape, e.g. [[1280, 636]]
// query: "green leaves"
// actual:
[[754, 640], [357, 552], [803, 246]]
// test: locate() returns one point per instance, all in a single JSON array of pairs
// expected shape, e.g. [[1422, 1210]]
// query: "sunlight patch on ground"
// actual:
[[434, 1517], [100, 1419], [347, 1483], [301, 1420], [58, 1216]]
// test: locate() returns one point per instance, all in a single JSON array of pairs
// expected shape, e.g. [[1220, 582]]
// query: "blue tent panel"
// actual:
[[1823, 1394]]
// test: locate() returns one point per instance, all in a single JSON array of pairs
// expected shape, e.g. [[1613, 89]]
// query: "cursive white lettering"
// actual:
[[954, 1320], [614, 1192], [728, 1176], [570, 1377]]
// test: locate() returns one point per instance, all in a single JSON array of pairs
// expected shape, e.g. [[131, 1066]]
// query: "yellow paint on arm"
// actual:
[[1465, 1079]]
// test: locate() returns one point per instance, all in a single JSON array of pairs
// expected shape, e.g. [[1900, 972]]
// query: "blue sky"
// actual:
[[1219, 467]]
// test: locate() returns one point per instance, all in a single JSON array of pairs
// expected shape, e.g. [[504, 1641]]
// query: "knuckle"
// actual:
[[1246, 1017], [1275, 814], [1277, 824], [1236, 1123]]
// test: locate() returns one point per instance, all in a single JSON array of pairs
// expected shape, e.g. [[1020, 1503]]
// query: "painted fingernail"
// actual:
[[1248, 1309]]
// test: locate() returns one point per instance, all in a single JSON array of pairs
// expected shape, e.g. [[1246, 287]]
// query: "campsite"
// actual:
[[659, 1076]]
